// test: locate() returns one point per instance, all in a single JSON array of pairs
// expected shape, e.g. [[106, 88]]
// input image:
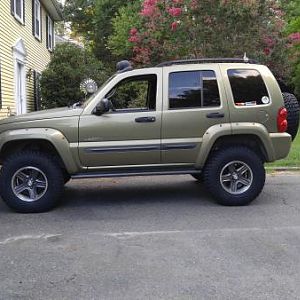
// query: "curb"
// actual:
[[283, 169]]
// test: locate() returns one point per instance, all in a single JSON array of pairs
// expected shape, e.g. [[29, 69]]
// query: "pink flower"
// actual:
[[269, 42], [295, 37], [174, 26], [194, 4], [175, 11], [150, 2], [133, 39], [133, 31], [149, 7], [147, 12], [267, 51]]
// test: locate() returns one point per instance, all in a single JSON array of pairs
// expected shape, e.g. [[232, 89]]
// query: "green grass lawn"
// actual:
[[293, 160]]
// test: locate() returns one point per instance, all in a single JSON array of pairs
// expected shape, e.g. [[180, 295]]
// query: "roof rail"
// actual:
[[207, 60]]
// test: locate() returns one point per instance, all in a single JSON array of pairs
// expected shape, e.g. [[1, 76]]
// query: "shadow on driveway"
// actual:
[[137, 191]]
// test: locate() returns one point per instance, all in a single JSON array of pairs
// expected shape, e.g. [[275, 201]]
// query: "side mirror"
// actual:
[[102, 107]]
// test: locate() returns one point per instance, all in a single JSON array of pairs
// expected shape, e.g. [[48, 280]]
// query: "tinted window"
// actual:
[[211, 96], [135, 93], [248, 87], [193, 89]]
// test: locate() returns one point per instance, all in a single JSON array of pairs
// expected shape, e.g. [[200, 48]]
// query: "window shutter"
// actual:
[[34, 89], [12, 7], [53, 38], [33, 17], [37, 91], [24, 11], [47, 32], [41, 22]]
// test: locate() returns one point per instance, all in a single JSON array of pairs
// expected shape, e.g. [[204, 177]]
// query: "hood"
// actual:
[[63, 112]]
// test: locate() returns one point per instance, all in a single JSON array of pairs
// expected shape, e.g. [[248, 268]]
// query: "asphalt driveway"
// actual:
[[154, 238]]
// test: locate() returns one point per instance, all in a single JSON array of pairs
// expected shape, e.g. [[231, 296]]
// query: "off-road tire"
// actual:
[[215, 165], [292, 105], [43, 162]]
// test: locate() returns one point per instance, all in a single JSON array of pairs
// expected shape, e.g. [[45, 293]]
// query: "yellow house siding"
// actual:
[[37, 58]]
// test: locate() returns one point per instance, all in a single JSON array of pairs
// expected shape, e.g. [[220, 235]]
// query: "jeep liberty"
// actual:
[[219, 120]]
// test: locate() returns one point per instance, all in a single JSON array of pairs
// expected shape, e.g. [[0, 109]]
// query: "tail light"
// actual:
[[282, 123]]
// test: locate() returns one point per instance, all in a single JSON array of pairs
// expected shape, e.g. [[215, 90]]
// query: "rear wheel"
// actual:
[[235, 176], [31, 182], [292, 105]]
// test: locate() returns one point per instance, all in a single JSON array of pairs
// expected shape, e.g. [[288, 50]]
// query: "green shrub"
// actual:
[[69, 66]]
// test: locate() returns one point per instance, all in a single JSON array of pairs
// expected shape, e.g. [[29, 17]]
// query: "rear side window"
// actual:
[[248, 87], [193, 89]]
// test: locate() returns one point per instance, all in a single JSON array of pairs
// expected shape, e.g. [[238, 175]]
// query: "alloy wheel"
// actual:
[[29, 184], [236, 177]]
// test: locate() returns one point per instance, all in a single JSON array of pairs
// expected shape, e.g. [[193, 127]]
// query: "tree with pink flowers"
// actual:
[[151, 31], [176, 29], [293, 33]]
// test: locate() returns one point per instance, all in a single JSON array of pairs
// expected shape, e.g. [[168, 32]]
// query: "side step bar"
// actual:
[[134, 172]]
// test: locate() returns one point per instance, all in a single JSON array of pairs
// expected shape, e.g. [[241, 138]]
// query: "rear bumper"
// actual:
[[281, 144]]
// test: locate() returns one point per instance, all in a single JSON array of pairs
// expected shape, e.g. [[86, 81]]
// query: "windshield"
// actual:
[[91, 98]]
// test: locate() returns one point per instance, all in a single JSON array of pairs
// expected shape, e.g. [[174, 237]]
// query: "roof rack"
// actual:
[[207, 60]]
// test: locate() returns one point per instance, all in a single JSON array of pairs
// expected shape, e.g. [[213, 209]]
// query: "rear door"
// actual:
[[194, 100]]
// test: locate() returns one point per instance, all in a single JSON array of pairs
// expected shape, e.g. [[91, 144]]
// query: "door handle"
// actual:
[[145, 120], [215, 115]]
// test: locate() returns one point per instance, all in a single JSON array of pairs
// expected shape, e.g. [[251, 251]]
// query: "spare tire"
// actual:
[[292, 105]]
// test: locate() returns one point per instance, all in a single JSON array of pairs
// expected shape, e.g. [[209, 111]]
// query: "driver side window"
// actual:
[[135, 93]]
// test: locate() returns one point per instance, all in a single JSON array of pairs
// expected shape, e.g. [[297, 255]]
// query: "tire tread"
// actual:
[[292, 105]]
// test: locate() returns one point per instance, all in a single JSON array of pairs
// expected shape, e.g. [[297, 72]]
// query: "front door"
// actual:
[[20, 89], [130, 134]]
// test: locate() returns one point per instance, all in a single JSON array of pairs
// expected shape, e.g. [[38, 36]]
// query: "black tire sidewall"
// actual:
[[41, 161], [292, 105], [219, 161]]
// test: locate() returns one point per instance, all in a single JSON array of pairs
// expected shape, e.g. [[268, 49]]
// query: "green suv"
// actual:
[[219, 120]]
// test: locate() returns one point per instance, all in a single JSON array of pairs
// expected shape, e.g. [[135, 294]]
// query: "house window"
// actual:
[[50, 33], [37, 19], [18, 9]]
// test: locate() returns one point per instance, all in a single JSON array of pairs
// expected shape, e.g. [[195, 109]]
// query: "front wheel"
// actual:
[[235, 176], [31, 182]]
